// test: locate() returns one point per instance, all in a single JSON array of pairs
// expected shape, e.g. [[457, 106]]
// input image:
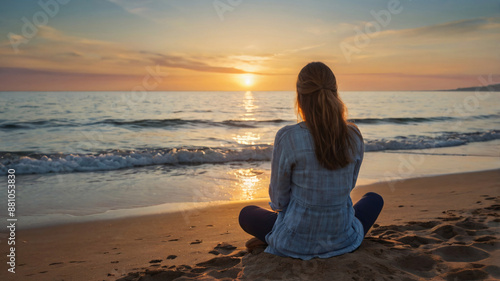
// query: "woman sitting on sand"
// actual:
[[314, 167]]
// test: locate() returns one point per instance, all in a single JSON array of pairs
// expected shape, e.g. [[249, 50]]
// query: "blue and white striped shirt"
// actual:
[[316, 217]]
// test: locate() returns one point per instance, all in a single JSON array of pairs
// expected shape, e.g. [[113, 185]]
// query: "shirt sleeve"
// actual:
[[358, 158], [281, 172]]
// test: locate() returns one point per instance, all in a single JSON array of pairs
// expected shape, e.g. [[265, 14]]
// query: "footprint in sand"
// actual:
[[493, 270], [224, 248], [416, 262], [159, 275], [461, 253], [381, 241], [415, 241], [485, 238], [231, 273], [487, 245], [446, 231], [469, 223], [451, 218], [220, 262], [493, 208], [184, 267], [466, 274], [386, 234], [198, 270], [421, 225]]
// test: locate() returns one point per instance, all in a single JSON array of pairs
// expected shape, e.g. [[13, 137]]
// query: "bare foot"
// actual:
[[254, 243]]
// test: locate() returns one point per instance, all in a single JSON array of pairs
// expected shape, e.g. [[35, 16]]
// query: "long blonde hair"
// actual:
[[320, 106]]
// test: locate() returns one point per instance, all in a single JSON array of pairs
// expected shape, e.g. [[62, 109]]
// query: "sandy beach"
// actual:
[[440, 227]]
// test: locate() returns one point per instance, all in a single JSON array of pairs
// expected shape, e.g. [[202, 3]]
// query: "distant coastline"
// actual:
[[490, 88]]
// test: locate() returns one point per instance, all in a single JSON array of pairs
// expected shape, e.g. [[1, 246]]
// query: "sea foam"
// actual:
[[32, 163]]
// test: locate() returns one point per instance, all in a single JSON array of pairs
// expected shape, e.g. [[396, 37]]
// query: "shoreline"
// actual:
[[236, 181], [109, 249]]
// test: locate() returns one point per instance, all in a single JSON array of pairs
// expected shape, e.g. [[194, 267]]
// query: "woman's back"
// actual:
[[318, 185], [318, 220]]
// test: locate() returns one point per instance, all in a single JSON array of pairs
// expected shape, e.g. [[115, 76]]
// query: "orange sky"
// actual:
[[121, 45]]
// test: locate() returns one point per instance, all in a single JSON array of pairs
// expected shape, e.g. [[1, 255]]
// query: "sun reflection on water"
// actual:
[[249, 184], [248, 104], [248, 138]]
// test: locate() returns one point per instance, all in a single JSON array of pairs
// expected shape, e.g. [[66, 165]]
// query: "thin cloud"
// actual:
[[185, 62], [438, 48], [17, 71], [297, 50], [406, 75], [454, 30], [58, 52], [154, 10]]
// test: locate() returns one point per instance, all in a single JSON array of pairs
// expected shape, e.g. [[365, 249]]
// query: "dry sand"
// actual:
[[443, 227]]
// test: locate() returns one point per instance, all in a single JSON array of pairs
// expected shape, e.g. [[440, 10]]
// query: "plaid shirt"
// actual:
[[316, 217]]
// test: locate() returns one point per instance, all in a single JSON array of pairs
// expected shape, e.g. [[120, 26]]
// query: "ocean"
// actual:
[[90, 155]]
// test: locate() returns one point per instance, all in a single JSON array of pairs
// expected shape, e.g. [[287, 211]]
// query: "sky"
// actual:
[[235, 45]]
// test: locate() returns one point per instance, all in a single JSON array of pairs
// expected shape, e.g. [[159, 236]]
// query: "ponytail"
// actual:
[[325, 114]]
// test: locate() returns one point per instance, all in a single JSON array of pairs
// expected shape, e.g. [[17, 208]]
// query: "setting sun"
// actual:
[[248, 80]]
